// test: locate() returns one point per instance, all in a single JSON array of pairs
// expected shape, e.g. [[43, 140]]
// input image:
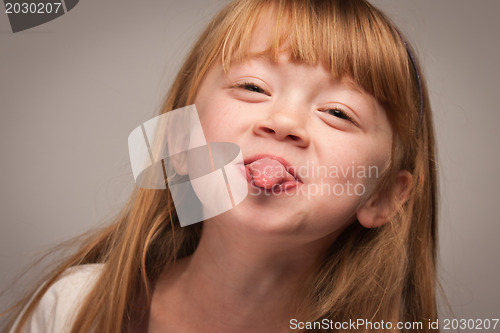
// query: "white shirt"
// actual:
[[60, 304]]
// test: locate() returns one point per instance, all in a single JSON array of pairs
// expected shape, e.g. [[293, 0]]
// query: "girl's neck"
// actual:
[[234, 282]]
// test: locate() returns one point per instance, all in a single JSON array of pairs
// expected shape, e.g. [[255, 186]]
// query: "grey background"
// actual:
[[72, 90]]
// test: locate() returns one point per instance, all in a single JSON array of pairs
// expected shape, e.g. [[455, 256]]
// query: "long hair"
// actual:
[[387, 273]]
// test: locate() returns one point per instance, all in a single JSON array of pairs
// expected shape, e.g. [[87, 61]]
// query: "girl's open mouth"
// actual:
[[271, 172]]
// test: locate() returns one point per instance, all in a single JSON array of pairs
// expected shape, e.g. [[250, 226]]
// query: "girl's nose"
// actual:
[[284, 126]]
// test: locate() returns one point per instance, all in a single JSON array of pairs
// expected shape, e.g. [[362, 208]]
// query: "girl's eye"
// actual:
[[339, 113], [336, 112], [251, 87]]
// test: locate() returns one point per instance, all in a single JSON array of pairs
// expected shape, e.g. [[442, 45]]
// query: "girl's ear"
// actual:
[[378, 209]]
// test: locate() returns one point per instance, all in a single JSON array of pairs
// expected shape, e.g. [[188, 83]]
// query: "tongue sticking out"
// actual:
[[267, 173]]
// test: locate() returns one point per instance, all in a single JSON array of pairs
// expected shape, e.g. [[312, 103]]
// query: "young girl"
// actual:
[[339, 236]]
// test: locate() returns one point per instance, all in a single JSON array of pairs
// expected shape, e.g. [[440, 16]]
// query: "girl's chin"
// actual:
[[261, 220], [268, 216]]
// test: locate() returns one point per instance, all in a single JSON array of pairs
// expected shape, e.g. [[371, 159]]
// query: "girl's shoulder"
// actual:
[[59, 305]]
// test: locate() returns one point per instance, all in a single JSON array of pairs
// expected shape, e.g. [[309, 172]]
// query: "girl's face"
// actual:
[[295, 119]]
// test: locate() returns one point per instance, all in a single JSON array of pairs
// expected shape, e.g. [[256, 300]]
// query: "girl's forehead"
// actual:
[[268, 38], [277, 38], [264, 42], [261, 36]]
